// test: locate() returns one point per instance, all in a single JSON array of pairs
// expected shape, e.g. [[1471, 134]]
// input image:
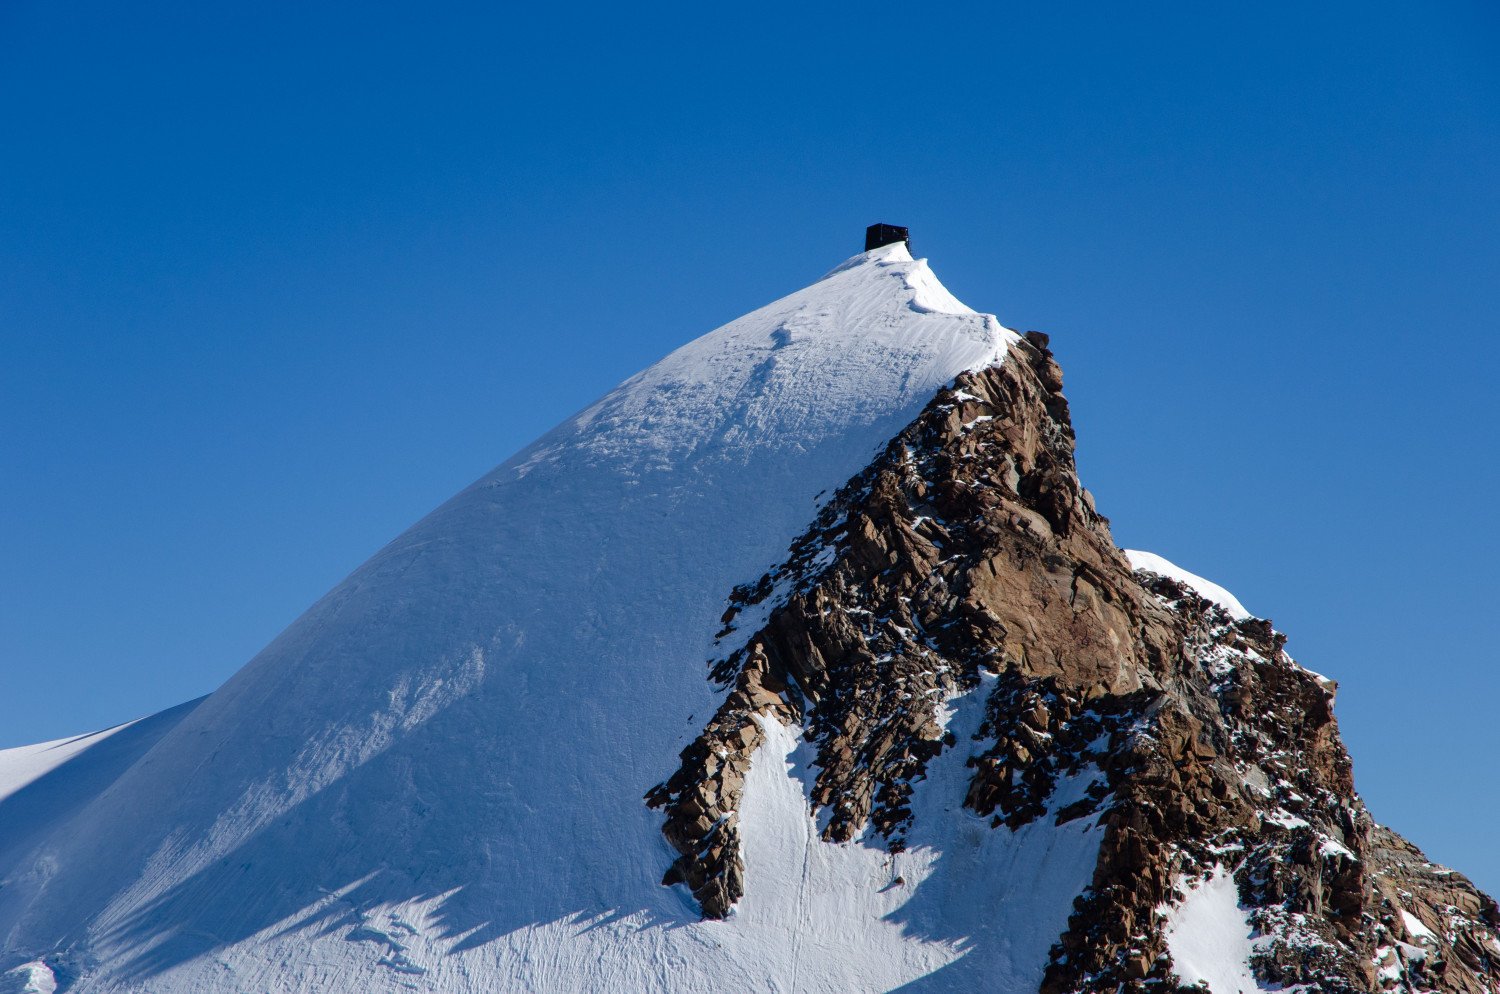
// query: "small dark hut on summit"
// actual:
[[877, 235]]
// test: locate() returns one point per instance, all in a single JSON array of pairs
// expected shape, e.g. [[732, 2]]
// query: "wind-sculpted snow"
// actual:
[[433, 778]]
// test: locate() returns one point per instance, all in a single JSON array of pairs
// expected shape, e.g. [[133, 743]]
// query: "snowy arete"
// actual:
[[801, 662]]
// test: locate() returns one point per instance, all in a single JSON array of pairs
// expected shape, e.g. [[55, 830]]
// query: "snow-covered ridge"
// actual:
[[24, 765], [1152, 563], [879, 327], [437, 772]]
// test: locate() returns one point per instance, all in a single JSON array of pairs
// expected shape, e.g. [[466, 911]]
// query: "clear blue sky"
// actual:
[[276, 279]]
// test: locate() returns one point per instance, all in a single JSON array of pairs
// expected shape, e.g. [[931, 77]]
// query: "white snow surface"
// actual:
[[1210, 938], [433, 779], [28, 978], [1152, 563], [975, 908], [1414, 927], [25, 765]]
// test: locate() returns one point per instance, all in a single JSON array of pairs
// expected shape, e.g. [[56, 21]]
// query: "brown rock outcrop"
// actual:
[[969, 548]]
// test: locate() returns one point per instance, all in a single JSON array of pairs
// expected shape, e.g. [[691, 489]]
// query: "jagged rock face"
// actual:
[[969, 548]]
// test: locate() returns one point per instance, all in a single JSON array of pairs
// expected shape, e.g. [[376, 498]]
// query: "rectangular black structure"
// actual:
[[877, 235]]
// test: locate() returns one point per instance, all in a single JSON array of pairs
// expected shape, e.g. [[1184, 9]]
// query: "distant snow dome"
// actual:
[[1152, 563]]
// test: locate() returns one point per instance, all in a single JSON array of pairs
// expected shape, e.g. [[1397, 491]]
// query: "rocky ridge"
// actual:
[[968, 558]]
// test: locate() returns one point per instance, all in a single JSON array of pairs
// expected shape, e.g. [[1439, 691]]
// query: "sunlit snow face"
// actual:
[[395, 751]]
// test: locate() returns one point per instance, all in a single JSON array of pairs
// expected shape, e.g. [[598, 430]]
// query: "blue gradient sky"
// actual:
[[277, 279]]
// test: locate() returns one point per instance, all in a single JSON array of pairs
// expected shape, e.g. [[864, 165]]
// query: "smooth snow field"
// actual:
[[433, 779]]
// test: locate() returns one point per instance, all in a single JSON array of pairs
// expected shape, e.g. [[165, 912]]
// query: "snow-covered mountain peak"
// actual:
[[465, 727], [879, 330], [896, 252], [802, 660], [895, 261]]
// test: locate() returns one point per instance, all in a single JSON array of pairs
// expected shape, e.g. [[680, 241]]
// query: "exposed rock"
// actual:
[[969, 547]]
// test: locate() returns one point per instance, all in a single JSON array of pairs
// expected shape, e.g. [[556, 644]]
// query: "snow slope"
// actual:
[[433, 778], [24, 768], [25, 765], [42, 786]]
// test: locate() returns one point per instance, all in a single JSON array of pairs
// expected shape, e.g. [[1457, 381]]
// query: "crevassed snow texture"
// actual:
[[434, 776], [1209, 936], [1153, 563]]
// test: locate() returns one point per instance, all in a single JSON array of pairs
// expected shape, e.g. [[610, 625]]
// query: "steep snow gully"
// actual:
[[449, 774]]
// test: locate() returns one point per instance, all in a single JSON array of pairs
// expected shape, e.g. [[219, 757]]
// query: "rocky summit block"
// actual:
[[968, 554]]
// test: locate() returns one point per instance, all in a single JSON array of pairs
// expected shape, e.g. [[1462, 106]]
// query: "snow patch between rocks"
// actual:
[[1415, 928], [841, 896], [1210, 936], [965, 906]]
